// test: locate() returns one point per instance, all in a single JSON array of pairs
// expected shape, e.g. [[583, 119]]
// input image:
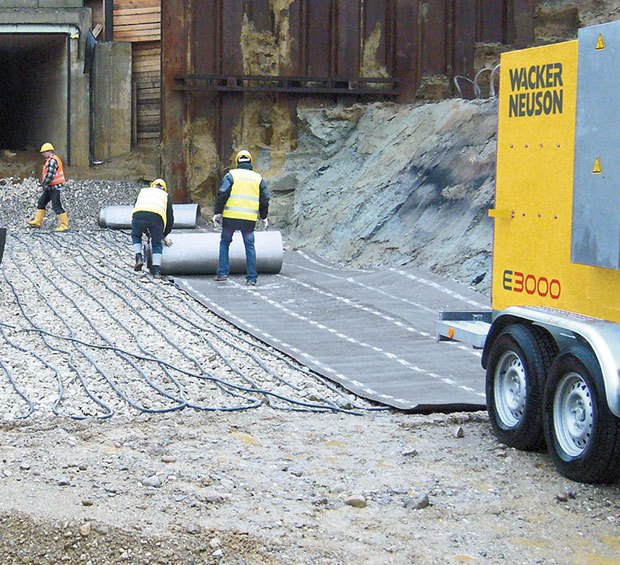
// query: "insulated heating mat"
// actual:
[[372, 331]]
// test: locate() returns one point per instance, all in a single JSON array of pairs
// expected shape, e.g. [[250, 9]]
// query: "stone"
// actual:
[[357, 501], [418, 503], [152, 481]]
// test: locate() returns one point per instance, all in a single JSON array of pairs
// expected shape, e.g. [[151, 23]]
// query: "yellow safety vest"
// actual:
[[152, 199], [242, 203]]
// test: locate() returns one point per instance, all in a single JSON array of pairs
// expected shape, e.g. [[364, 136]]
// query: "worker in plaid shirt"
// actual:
[[52, 182]]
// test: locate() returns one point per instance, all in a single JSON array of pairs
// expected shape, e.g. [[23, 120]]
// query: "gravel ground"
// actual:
[[138, 427]]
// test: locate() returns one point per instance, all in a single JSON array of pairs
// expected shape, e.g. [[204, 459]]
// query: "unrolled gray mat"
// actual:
[[372, 331]]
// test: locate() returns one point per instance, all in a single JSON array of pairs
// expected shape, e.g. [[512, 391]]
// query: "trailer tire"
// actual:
[[518, 363], [583, 436]]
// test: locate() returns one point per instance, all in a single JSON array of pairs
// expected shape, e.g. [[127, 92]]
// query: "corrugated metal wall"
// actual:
[[404, 40]]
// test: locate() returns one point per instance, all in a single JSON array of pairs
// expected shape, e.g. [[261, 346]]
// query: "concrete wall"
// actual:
[[47, 113], [112, 100]]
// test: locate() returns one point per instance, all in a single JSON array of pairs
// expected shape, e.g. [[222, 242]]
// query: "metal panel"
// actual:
[[296, 21], [319, 37], [377, 13], [259, 13], [206, 38], [327, 38], [407, 60], [433, 40], [348, 38], [596, 197], [492, 21], [175, 32], [520, 22], [464, 37], [232, 60]]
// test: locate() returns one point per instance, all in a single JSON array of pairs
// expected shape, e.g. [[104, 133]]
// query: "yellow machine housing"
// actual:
[[534, 191]]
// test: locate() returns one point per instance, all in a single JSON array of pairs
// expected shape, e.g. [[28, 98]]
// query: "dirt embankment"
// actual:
[[394, 185]]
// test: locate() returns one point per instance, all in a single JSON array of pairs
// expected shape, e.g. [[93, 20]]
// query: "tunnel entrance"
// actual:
[[34, 98]]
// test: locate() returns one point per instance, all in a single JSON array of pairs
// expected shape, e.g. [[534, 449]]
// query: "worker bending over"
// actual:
[[52, 183], [242, 198], [153, 216]]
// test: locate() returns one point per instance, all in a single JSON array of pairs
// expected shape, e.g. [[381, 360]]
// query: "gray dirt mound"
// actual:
[[388, 185]]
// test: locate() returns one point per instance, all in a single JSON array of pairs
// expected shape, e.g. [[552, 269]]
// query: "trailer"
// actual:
[[551, 343]]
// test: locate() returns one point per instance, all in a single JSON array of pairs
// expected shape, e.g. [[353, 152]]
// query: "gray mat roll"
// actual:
[[198, 253], [119, 217]]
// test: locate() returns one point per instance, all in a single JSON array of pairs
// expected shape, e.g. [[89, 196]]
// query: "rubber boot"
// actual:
[[156, 272], [63, 222], [38, 219]]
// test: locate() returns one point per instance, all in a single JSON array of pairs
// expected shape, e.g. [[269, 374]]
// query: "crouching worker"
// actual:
[[52, 182], [153, 216]]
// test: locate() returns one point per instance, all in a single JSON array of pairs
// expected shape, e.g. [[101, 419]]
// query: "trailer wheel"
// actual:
[[518, 363], [583, 436]]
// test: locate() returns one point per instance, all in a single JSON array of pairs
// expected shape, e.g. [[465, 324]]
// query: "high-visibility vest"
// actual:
[[242, 203], [59, 177], [151, 199]]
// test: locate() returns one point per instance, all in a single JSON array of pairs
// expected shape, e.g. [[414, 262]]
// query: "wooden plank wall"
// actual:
[[139, 22]]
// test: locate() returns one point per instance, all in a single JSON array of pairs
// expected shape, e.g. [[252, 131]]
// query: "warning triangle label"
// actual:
[[600, 42], [597, 170]]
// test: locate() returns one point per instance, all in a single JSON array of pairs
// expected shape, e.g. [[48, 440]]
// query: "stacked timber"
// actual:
[[139, 22]]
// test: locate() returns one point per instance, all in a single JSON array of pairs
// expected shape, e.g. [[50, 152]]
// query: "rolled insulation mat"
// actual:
[[119, 217], [198, 253]]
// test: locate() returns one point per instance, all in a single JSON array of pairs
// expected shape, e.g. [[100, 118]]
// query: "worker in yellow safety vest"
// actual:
[[52, 183], [152, 216], [243, 197]]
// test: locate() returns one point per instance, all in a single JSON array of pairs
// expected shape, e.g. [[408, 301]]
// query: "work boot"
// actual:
[[156, 272], [63, 222], [139, 262], [38, 219]]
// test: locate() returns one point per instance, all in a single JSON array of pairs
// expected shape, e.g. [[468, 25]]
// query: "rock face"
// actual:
[[392, 185], [559, 20]]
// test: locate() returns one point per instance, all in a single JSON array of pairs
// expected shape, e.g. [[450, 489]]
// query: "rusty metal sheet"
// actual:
[[348, 38], [407, 62], [259, 12], [327, 38], [376, 17], [232, 58], [175, 33], [520, 27], [433, 40], [207, 23], [319, 37], [464, 37], [492, 16], [231, 111], [297, 24]]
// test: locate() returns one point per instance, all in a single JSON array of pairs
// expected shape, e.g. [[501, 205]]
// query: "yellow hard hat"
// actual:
[[160, 182], [244, 156], [46, 147]]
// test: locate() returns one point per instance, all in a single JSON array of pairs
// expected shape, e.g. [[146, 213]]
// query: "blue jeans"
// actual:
[[150, 224], [250, 252]]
